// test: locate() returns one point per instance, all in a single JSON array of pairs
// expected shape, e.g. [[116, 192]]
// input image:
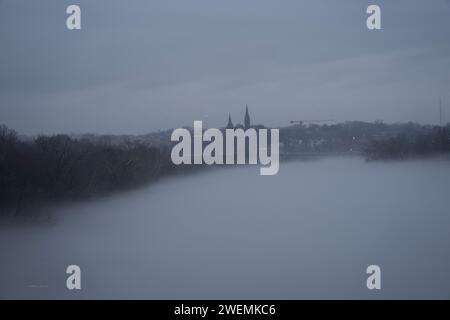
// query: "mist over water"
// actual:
[[308, 232]]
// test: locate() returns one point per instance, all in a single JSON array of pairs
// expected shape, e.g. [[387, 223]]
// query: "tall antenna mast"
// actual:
[[440, 112]]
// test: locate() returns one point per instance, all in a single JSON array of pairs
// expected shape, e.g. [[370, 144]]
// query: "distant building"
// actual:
[[246, 118], [230, 123], [247, 122]]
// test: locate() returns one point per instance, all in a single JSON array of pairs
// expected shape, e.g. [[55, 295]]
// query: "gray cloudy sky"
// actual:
[[138, 66]]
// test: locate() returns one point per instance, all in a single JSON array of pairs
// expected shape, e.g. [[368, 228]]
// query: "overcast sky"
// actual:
[[139, 66]]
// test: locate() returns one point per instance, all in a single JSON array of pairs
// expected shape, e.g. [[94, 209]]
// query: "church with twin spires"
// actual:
[[246, 125]]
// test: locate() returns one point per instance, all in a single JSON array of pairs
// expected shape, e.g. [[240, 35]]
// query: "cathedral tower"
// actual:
[[230, 124], [246, 118]]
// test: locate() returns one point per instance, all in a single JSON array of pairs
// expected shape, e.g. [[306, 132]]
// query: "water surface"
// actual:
[[308, 232]]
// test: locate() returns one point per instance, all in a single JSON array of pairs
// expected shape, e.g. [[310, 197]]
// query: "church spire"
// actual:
[[230, 124], [246, 118]]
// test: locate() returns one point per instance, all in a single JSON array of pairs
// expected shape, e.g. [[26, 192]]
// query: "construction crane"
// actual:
[[301, 122]]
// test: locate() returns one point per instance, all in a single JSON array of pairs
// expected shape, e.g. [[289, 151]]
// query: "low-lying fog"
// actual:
[[308, 232]]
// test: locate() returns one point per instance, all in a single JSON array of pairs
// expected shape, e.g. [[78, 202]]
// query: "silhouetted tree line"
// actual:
[[55, 168], [433, 140], [376, 140]]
